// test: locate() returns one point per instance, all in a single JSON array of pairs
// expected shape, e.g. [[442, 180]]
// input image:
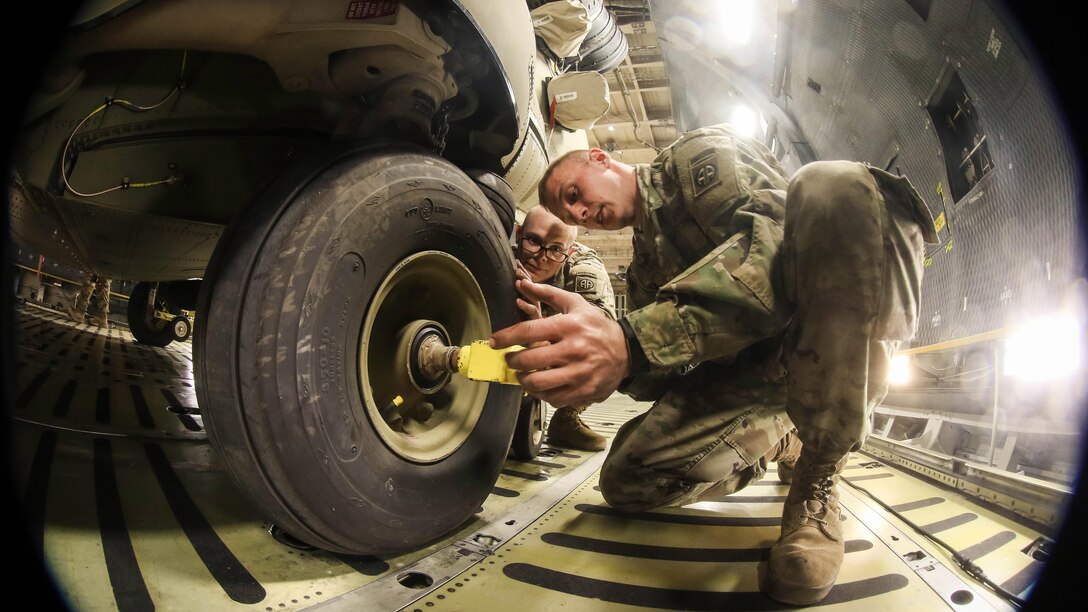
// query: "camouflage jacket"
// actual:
[[704, 283], [584, 273]]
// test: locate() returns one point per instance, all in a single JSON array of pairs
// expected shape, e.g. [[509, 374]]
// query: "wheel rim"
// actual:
[[426, 290], [537, 423], [181, 329]]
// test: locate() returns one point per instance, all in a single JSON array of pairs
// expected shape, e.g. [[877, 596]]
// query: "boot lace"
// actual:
[[578, 422], [820, 481], [820, 487]]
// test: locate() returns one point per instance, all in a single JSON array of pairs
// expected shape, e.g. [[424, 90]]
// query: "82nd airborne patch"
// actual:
[[585, 283], [704, 171]]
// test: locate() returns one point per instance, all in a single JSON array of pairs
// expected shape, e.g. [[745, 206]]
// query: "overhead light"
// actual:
[[743, 120], [737, 18], [611, 128], [1043, 349], [899, 372]]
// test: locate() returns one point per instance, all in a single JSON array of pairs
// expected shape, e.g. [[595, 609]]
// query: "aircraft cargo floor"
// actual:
[[133, 511]]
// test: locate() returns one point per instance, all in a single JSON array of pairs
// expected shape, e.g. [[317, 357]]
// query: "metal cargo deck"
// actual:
[[132, 511]]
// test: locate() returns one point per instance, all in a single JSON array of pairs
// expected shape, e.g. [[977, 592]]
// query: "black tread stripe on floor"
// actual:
[[677, 599], [869, 477], [176, 404], [673, 553], [37, 488], [684, 519], [139, 402], [753, 499], [949, 523], [503, 492], [189, 423], [364, 564], [64, 331], [129, 589], [90, 346], [517, 474], [921, 503], [64, 400], [547, 464], [182, 412], [988, 545], [102, 406], [227, 570], [34, 325], [27, 396], [67, 344], [1020, 581]]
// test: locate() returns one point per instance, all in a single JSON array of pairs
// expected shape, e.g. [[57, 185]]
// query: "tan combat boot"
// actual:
[[785, 454], [806, 559], [76, 316], [567, 429]]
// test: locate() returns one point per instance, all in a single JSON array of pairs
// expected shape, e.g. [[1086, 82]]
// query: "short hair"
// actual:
[[540, 209], [577, 154]]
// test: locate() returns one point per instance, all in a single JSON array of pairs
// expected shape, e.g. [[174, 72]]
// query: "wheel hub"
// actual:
[[428, 305], [181, 328], [424, 352]]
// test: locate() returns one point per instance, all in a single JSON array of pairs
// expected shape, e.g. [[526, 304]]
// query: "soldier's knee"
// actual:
[[827, 170], [622, 501], [630, 488], [832, 183], [629, 499]]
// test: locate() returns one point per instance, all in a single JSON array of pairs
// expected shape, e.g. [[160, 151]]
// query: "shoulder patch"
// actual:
[[585, 283], [704, 171]]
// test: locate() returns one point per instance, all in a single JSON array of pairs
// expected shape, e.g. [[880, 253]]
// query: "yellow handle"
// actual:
[[478, 361]]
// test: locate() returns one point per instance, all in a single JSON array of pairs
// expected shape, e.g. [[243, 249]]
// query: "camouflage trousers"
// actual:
[[100, 291], [852, 260], [704, 439]]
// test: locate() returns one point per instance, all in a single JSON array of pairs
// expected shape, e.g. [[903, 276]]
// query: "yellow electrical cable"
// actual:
[[131, 107]]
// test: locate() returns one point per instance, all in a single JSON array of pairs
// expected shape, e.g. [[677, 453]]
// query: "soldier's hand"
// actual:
[[574, 358], [530, 307]]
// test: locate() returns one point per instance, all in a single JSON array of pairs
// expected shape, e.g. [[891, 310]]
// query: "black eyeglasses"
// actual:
[[531, 245]]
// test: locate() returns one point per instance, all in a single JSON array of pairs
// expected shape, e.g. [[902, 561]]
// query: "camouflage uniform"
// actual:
[[584, 273], [758, 301], [99, 289]]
